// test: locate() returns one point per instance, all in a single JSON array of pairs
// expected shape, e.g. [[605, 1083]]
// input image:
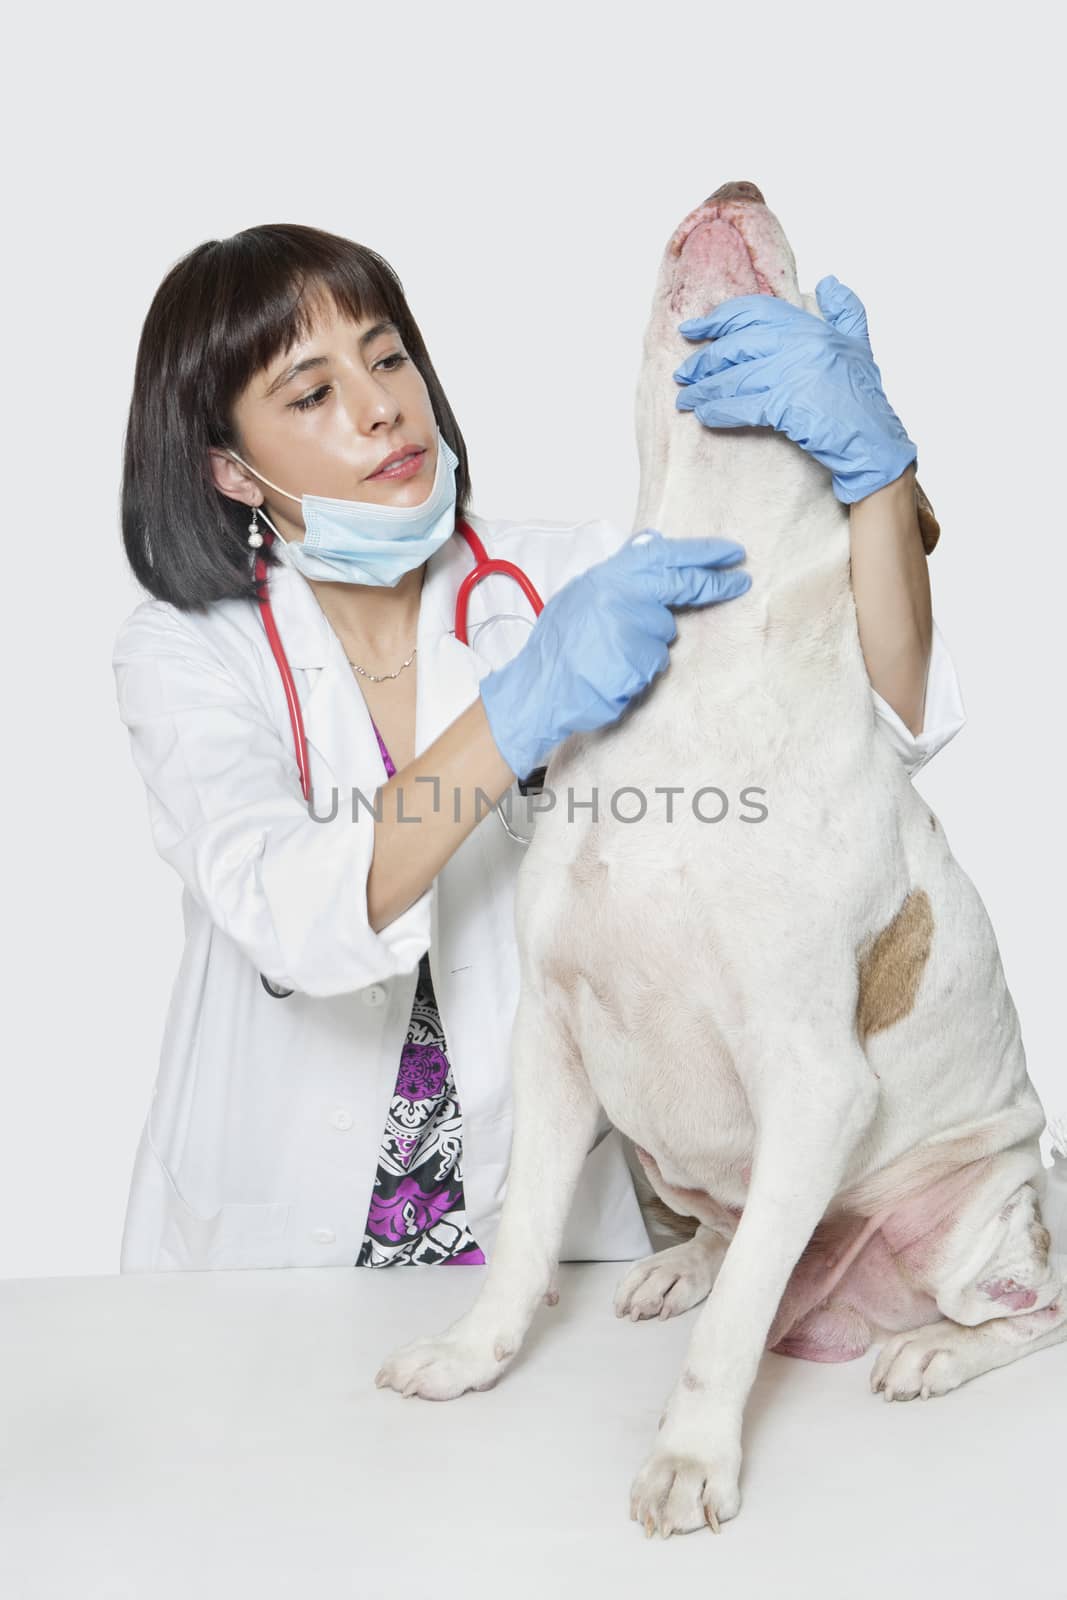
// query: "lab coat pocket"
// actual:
[[240, 1234]]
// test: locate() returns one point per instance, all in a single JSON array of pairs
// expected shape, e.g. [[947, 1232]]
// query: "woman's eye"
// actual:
[[316, 398]]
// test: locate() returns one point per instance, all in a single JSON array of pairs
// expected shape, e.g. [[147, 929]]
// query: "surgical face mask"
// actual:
[[356, 541]]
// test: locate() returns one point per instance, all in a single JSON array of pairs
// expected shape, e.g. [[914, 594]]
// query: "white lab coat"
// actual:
[[260, 1145]]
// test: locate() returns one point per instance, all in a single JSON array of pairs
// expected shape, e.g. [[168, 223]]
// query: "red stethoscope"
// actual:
[[483, 568]]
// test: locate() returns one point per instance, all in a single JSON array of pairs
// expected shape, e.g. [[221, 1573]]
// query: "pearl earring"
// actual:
[[255, 538]]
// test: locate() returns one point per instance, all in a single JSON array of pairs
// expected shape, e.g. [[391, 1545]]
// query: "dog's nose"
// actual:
[[736, 191]]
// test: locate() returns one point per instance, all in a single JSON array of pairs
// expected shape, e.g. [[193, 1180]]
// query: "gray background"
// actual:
[[522, 173]]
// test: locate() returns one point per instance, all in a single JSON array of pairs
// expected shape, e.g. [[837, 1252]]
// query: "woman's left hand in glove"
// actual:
[[773, 364]]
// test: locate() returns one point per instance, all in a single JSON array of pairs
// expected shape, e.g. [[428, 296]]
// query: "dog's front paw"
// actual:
[[669, 1283], [678, 1491], [447, 1366], [927, 1361]]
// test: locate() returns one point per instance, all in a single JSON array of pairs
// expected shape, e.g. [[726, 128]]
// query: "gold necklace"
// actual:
[[380, 677]]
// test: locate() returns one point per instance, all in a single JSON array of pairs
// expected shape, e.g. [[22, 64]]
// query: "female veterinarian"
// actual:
[[313, 729]]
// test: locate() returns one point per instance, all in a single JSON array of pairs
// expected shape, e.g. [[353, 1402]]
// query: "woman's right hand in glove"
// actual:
[[601, 639]]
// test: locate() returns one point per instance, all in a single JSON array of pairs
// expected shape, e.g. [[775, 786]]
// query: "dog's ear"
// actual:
[[929, 527]]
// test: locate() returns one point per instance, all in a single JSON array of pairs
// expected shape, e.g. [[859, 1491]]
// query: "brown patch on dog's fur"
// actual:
[[890, 970], [933, 822], [684, 1228], [587, 869], [929, 527], [1040, 1236], [565, 976]]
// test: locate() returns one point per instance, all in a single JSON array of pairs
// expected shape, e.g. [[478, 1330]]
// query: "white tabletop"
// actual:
[[219, 1434]]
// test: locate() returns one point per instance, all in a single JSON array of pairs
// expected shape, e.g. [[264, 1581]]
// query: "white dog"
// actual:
[[802, 1024]]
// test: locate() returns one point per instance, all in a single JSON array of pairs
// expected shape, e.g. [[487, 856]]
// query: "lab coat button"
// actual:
[[341, 1119], [323, 1235], [374, 995]]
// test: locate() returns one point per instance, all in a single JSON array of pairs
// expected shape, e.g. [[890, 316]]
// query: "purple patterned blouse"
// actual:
[[417, 1214]]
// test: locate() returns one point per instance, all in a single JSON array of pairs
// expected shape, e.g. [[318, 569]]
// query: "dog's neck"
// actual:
[[751, 485]]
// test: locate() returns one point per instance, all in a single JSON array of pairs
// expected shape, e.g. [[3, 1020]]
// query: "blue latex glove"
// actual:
[[776, 365], [600, 640]]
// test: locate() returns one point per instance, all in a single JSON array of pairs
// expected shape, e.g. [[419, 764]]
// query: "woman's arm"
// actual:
[[318, 902], [460, 772], [891, 586]]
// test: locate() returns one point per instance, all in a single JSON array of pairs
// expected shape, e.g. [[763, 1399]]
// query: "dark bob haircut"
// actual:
[[222, 314]]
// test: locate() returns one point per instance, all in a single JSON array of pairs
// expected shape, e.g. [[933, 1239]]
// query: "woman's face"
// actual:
[[320, 419]]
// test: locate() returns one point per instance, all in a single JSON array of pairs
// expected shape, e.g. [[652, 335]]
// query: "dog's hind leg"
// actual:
[[555, 1122], [995, 1285], [673, 1280], [678, 1276], [939, 1357]]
